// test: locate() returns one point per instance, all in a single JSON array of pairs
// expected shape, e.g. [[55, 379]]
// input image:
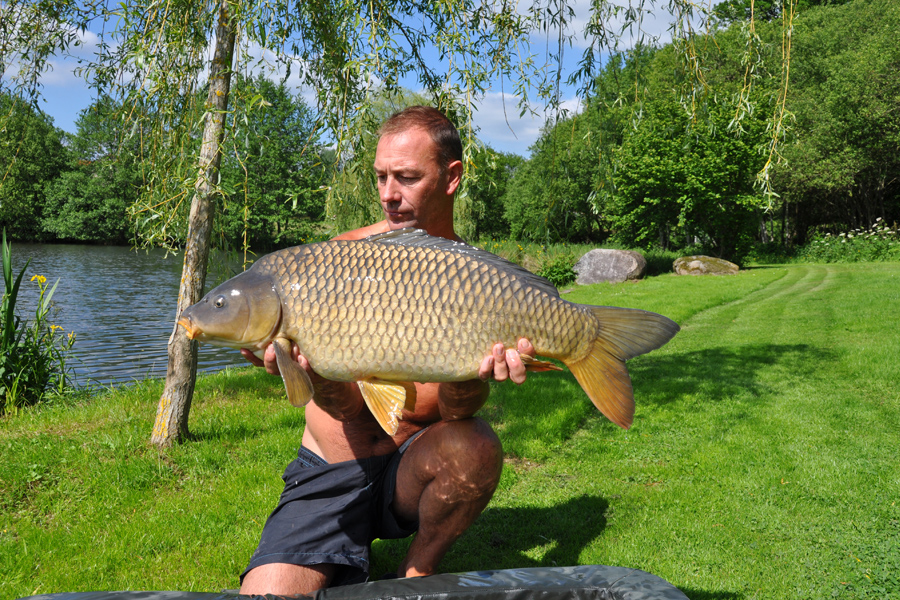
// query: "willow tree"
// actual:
[[181, 374], [154, 57]]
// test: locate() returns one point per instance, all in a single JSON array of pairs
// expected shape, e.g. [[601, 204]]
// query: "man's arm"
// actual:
[[343, 401]]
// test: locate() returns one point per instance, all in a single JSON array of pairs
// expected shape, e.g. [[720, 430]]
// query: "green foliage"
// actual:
[[349, 55], [841, 166], [675, 186], [769, 253], [87, 204], [31, 153], [273, 174], [548, 199], [654, 179], [559, 270], [486, 182], [877, 243], [764, 10], [659, 261], [32, 352], [89, 201]]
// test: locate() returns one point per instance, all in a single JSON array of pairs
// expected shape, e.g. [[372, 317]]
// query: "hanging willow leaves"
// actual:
[[351, 57]]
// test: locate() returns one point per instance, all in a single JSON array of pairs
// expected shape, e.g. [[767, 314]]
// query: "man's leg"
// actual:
[[444, 480], [286, 579]]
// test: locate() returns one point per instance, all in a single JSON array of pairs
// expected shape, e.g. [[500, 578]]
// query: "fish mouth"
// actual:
[[191, 329]]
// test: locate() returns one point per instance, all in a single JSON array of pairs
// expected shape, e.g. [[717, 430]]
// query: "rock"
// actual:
[[704, 265], [614, 266]]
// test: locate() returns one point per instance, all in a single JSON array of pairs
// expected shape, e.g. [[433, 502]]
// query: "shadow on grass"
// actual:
[[240, 432], [235, 381], [502, 538], [724, 372], [533, 418], [537, 416], [509, 537], [241, 403]]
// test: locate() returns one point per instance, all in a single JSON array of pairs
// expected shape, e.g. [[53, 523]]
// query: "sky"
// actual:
[[496, 116], [64, 96]]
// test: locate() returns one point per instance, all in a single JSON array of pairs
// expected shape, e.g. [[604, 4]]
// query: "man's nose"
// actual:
[[390, 191]]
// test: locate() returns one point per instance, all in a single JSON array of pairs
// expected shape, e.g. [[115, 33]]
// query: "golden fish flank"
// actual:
[[404, 306]]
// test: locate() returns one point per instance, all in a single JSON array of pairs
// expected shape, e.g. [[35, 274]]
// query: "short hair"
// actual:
[[441, 130]]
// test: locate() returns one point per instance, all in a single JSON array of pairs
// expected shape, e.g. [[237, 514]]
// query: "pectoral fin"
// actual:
[[531, 364], [387, 399], [296, 380]]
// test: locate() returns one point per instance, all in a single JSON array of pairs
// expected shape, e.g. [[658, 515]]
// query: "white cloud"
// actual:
[[500, 125], [61, 73], [653, 20], [496, 114]]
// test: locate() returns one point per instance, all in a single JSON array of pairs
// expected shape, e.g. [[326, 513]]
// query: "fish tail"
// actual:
[[624, 333]]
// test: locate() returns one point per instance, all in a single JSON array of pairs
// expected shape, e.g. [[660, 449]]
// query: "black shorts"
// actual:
[[330, 513]]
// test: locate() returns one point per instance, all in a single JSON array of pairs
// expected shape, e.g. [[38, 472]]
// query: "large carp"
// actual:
[[404, 306]]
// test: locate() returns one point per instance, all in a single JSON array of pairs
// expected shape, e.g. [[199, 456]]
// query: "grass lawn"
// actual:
[[764, 461]]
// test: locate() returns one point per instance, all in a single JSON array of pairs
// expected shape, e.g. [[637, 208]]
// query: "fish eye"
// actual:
[[219, 302]]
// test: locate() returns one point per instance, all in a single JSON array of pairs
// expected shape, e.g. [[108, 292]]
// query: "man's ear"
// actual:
[[454, 176]]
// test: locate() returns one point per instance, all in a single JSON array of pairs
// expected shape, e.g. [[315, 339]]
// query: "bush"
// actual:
[[659, 261], [770, 253], [878, 243], [559, 270], [32, 353]]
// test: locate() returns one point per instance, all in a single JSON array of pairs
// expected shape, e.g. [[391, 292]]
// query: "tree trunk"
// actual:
[[175, 404]]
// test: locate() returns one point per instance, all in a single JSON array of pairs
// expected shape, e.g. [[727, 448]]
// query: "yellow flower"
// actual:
[[41, 279]]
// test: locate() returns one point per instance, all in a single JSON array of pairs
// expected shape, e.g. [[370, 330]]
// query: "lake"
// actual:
[[121, 305]]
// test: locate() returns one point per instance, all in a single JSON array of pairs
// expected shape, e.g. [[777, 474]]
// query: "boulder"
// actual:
[[613, 266], [704, 265]]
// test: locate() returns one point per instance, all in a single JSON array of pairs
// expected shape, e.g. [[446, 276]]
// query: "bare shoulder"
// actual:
[[364, 232]]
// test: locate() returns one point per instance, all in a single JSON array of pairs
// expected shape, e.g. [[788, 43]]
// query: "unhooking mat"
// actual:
[[589, 582]]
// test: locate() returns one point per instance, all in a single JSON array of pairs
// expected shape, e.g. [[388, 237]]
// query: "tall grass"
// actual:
[[32, 351]]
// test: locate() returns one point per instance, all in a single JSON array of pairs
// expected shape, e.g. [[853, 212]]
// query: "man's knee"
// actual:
[[286, 579], [471, 454]]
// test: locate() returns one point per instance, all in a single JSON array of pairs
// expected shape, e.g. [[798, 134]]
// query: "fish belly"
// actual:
[[400, 313]]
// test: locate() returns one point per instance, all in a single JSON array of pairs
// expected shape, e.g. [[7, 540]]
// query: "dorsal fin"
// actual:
[[412, 237]]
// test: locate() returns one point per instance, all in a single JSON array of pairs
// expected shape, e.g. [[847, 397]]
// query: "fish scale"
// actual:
[[404, 306]]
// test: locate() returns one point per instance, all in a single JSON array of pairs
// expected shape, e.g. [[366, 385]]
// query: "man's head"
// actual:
[[442, 132], [419, 168]]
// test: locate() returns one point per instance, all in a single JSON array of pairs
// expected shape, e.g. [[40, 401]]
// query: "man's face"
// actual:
[[413, 188]]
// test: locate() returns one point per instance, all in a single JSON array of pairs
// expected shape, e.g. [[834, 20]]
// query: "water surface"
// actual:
[[119, 302]]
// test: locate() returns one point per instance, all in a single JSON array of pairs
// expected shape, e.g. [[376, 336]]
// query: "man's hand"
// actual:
[[505, 364], [270, 362]]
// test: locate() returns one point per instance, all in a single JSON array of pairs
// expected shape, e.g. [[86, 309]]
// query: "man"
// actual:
[[352, 482]]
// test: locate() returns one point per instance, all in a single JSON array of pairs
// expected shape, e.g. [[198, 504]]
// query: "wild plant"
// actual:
[[33, 352], [877, 243]]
